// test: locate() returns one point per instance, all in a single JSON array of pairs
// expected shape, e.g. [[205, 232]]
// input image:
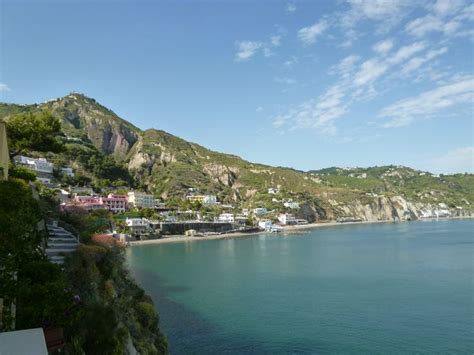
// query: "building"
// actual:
[[204, 199], [260, 211], [292, 205], [137, 225], [140, 199], [226, 217], [115, 203], [4, 154], [67, 171], [40, 165], [265, 225], [88, 203], [287, 219]]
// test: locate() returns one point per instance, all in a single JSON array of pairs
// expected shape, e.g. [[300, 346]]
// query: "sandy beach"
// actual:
[[285, 229]]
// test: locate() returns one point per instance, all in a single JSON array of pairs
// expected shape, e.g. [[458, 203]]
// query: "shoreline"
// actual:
[[285, 229]]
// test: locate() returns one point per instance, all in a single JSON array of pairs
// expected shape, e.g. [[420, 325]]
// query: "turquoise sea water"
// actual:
[[380, 288]]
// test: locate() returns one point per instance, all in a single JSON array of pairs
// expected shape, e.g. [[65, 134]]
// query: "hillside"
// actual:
[[101, 145]]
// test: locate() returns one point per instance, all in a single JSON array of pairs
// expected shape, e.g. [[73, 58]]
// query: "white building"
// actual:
[[209, 200], [226, 217], [140, 199], [286, 218], [265, 225], [292, 205], [40, 165], [260, 211], [137, 225], [67, 171]]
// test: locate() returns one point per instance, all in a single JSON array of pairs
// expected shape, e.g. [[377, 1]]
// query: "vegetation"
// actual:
[[33, 131]]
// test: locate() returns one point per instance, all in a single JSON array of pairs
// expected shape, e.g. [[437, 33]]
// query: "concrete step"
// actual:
[[57, 258], [62, 245], [58, 251], [63, 239]]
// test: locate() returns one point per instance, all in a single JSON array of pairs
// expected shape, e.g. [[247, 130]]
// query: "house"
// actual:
[[67, 171], [4, 154], [260, 211], [40, 165], [292, 205], [226, 217], [240, 219], [140, 199], [115, 203], [265, 225], [286, 218], [88, 203], [137, 225], [204, 199]]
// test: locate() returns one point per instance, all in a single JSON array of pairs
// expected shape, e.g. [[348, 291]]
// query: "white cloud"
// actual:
[[345, 66], [369, 71], [416, 62], [319, 114], [246, 50], [383, 47], [4, 87], [459, 160], [275, 40], [308, 35], [406, 52], [405, 111], [290, 7], [423, 25], [446, 7], [385, 12], [290, 63]]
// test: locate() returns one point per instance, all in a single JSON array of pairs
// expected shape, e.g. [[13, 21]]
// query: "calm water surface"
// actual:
[[381, 288]]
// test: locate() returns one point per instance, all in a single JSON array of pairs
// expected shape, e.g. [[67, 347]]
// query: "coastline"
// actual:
[[285, 229]]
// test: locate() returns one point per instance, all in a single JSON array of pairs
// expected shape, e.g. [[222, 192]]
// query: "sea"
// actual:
[[383, 288]]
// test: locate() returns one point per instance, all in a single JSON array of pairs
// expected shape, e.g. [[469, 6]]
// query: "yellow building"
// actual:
[[4, 156]]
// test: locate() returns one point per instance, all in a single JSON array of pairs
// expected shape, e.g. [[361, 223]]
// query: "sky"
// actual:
[[302, 84]]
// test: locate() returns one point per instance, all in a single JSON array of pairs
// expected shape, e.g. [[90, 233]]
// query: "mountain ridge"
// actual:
[[169, 166]]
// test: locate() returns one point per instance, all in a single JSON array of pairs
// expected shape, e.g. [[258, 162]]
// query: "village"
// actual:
[[139, 215]]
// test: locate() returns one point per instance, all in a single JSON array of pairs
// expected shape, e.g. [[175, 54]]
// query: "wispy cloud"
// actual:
[[416, 62], [384, 12], [4, 87], [290, 63], [308, 35], [285, 80], [259, 109], [290, 7], [426, 104], [383, 47], [246, 50], [319, 114], [369, 71], [406, 52]]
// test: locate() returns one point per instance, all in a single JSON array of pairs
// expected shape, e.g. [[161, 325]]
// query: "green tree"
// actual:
[[34, 131]]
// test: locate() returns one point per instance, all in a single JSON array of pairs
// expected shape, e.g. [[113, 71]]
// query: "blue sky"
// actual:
[[304, 84]]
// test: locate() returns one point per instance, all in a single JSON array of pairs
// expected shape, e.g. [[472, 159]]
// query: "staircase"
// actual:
[[60, 242]]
